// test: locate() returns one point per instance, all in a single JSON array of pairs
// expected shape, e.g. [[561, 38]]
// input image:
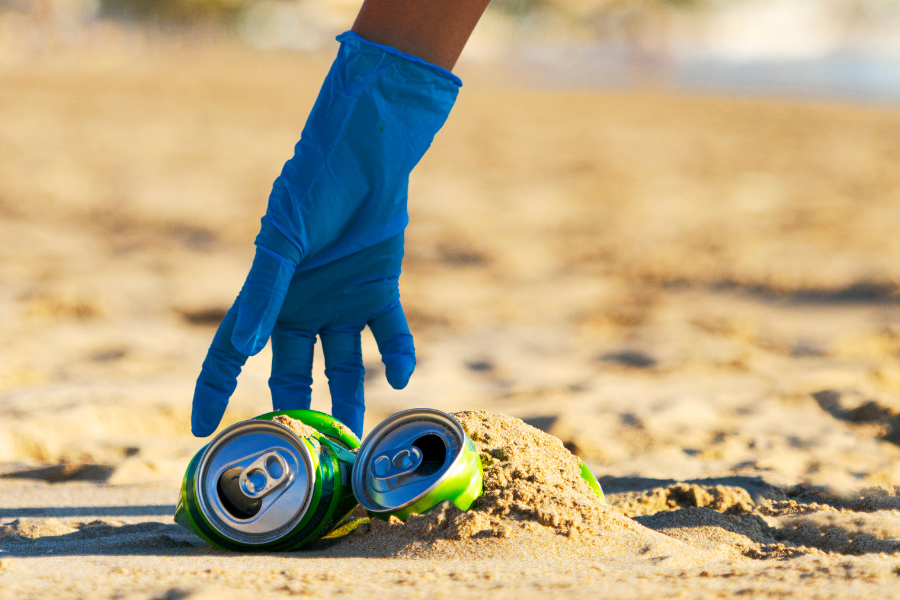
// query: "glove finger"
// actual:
[[395, 342], [345, 372], [217, 379], [261, 299], [292, 362]]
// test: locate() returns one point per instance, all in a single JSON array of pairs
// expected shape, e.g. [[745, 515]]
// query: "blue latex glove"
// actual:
[[330, 248]]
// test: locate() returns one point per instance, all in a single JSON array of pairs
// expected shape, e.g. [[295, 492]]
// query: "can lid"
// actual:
[[254, 482], [405, 457]]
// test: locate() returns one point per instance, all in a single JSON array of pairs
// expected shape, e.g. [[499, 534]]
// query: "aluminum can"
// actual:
[[413, 461], [258, 486], [588, 476]]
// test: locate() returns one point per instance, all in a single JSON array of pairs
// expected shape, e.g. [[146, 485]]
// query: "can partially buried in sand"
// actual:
[[276, 482], [413, 461]]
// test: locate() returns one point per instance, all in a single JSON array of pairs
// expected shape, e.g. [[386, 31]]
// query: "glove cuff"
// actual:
[[355, 40]]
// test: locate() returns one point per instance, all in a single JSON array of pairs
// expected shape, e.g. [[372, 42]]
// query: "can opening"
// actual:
[[233, 499], [434, 453]]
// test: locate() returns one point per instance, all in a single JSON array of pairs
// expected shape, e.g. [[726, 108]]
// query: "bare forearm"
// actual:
[[433, 30]]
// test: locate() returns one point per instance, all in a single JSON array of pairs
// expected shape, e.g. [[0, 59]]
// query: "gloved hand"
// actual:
[[331, 244]]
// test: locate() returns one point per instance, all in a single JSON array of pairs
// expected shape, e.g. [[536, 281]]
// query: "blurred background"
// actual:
[[806, 47], [664, 231]]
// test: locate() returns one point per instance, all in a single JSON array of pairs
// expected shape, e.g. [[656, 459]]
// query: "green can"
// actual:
[[588, 476], [415, 460], [270, 483]]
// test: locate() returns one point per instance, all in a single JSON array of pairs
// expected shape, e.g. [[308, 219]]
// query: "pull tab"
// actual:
[[404, 462], [264, 475]]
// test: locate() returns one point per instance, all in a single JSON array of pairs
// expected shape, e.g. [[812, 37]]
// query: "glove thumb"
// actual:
[[261, 299]]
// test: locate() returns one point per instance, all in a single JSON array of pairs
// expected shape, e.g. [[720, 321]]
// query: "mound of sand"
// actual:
[[534, 501]]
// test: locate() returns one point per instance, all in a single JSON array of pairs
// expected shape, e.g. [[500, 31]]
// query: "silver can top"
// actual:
[[405, 457], [254, 482]]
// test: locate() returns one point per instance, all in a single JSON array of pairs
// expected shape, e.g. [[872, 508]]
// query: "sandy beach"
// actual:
[[698, 296]]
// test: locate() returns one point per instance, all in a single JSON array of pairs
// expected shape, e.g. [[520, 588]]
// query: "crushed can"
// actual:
[[413, 461], [262, 485]]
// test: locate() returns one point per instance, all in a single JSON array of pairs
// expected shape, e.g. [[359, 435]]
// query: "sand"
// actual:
[[299, 428], [534, 498], [697, 296]]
